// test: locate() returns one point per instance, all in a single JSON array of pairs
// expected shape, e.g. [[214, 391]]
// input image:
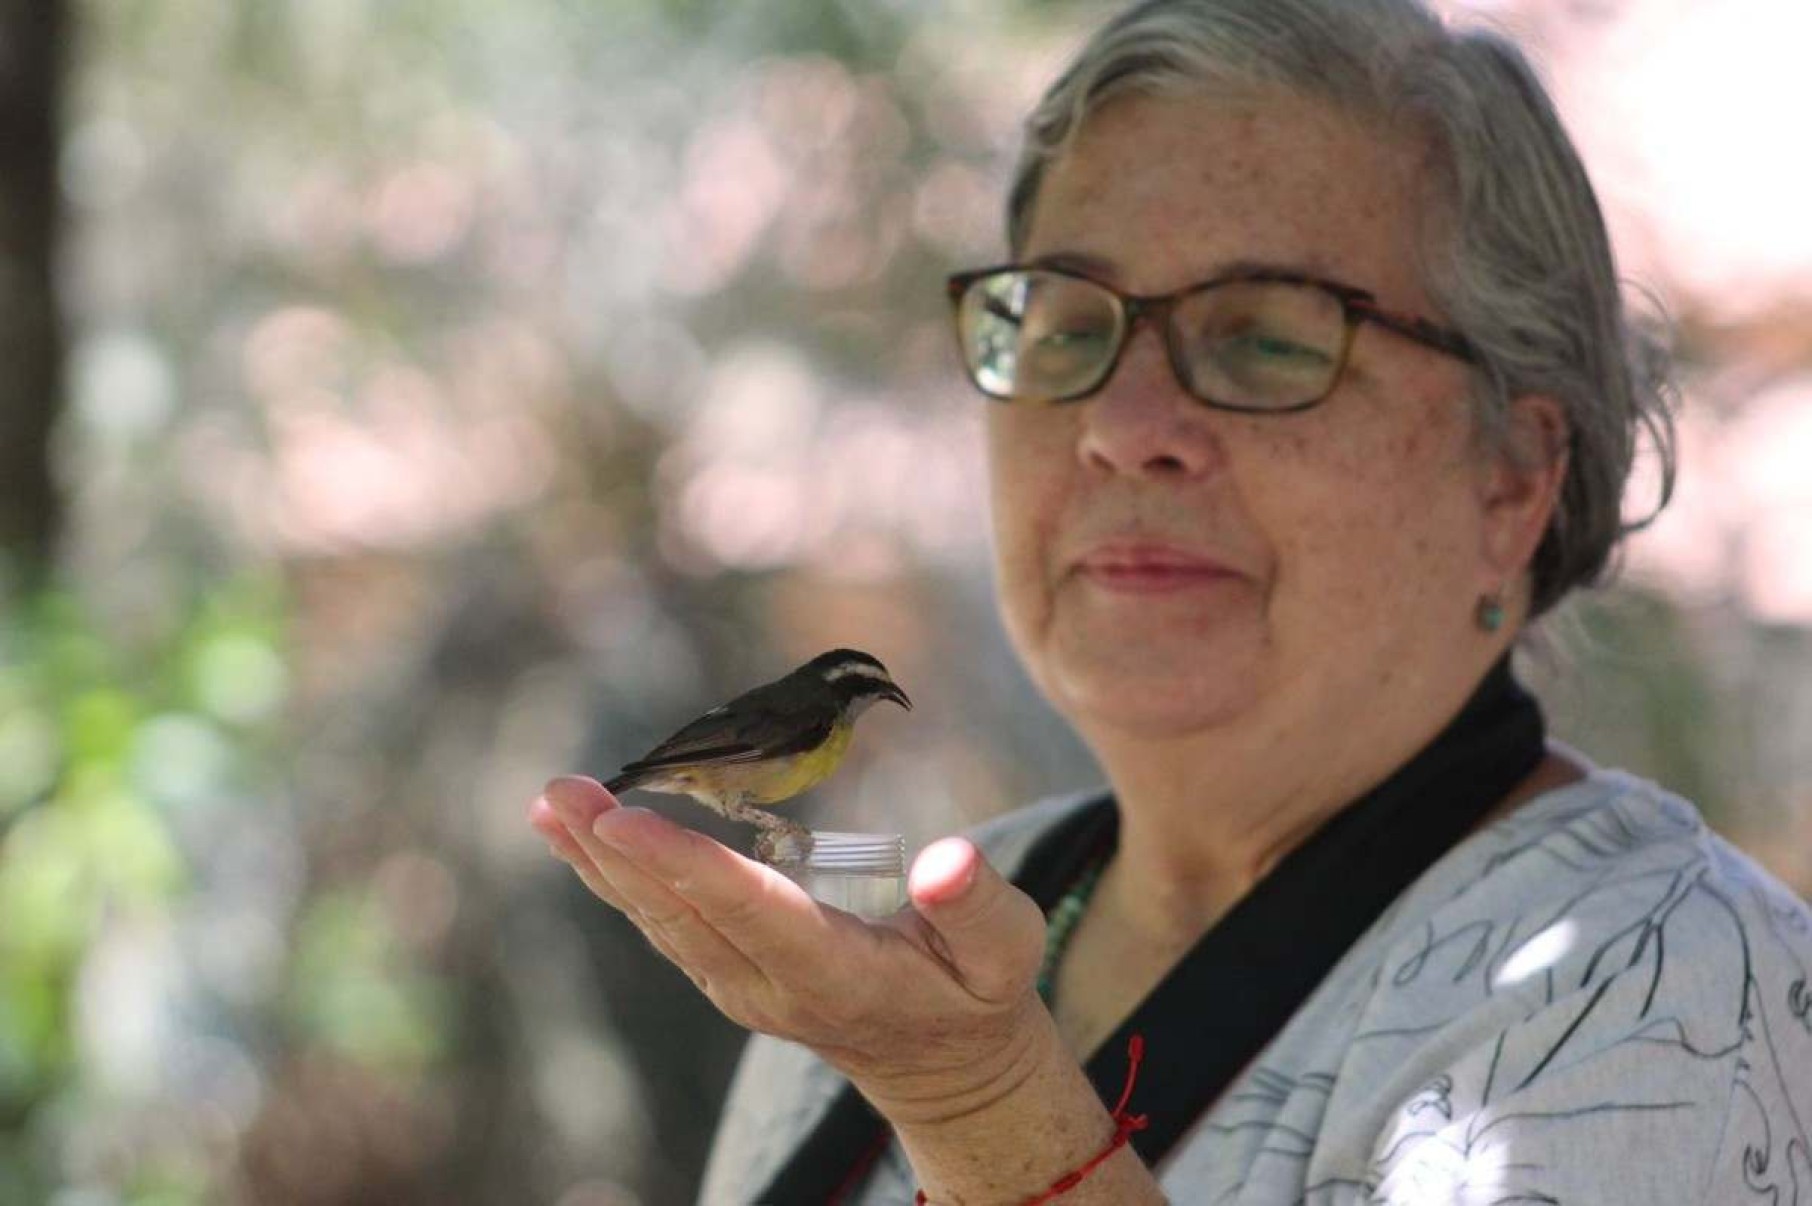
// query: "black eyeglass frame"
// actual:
[[1356, 306]]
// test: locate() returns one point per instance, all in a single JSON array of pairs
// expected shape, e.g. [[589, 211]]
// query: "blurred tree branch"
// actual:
[[33, 54]]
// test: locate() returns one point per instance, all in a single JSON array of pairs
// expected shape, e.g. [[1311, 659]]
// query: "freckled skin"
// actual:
[[1357, 526]]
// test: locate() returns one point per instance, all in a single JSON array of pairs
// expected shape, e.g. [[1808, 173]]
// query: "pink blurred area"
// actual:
[[1688, 116], [798, 166], [684, 325]]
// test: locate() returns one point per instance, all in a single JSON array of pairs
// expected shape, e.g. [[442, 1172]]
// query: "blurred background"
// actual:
[[405, 402]]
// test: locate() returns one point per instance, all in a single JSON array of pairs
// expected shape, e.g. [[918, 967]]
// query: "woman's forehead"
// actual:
[[1176, 188]]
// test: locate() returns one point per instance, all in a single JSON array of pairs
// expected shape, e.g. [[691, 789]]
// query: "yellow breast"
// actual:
[[780, 778]]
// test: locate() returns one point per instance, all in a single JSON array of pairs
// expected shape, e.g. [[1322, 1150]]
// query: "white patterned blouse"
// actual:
[[1592, 1001]]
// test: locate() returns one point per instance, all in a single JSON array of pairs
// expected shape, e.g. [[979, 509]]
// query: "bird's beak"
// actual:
[[898, 696]]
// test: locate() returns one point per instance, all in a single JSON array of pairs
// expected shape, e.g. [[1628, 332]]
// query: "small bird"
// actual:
[[767, 745]]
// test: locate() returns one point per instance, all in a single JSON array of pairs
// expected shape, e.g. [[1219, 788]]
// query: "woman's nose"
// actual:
[[1141, 422]]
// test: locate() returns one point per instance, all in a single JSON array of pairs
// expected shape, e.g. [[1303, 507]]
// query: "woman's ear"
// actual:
[[1521, 484]]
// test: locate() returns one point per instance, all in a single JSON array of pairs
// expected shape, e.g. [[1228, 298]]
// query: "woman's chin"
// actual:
[[1164, 698]]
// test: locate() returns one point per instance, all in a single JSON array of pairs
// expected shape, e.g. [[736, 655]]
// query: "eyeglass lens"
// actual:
[[1254, 345]]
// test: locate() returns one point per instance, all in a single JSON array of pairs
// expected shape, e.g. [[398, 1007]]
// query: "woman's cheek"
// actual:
[[1018, 561], [1024, 514]]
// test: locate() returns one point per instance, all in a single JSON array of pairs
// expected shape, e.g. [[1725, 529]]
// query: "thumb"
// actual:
[[990, 933]]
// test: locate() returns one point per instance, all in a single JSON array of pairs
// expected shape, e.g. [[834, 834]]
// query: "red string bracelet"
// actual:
[[1124, 1126]]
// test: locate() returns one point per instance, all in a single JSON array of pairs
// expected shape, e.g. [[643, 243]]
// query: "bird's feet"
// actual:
[[781, 842]]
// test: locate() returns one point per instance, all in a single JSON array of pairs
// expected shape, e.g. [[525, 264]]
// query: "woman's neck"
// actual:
[[1149, 909], [1205, 815], [1200, 825]]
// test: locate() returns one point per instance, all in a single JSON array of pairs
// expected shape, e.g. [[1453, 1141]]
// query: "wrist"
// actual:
[[1030, 1054], [1041, 1134]]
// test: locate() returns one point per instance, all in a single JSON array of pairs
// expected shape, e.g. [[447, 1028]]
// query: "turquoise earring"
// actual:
[[1490, 613]]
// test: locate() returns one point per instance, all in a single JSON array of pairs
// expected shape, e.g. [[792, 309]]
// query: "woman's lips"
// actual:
[[1150, 570]]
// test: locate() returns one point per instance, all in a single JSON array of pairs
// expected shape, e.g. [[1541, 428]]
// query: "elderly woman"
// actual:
[[1312, 390]]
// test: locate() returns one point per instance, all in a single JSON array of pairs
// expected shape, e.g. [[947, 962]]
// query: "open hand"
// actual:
[[930, 1012]]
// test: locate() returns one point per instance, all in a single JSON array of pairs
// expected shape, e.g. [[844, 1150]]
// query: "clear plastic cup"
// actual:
[[860, 873]]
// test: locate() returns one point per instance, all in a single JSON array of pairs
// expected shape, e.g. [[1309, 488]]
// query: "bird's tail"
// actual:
[[621, 783]]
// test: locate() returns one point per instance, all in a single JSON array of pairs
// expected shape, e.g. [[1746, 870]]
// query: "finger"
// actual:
[[576, 803], [578, 800], [563, 846], [564, 814], [668, 916], [990, 933], [546, 821], [665, 916], [763, 914], [566, 847], [675, 929]]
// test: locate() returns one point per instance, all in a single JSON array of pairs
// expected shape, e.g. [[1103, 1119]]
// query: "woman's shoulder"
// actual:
[[1597, 972], [1610, 877], [1612, 832], [1595, 998]]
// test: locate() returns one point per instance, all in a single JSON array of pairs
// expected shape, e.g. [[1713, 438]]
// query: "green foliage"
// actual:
[[354, 992], [103, 745]]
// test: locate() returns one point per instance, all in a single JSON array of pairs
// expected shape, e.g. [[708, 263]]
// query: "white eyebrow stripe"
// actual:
[[860, 669]]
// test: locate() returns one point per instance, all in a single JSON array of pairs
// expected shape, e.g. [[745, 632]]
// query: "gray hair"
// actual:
[[1518, 258]]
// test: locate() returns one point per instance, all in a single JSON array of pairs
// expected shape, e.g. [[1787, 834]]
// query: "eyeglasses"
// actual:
[[1265, 342]]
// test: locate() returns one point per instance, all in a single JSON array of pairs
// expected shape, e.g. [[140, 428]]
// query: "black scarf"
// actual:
[[1234, 990]]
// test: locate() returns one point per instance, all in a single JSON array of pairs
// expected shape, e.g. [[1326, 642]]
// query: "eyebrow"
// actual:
[[1107, 271]]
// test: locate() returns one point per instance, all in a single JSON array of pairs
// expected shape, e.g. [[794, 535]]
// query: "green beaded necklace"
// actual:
[[1060, 925]]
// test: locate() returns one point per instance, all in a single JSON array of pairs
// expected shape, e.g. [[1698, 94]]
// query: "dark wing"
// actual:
[[746, 729]]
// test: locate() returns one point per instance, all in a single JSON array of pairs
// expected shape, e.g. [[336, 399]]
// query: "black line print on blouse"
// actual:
[[1791, 1184]]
